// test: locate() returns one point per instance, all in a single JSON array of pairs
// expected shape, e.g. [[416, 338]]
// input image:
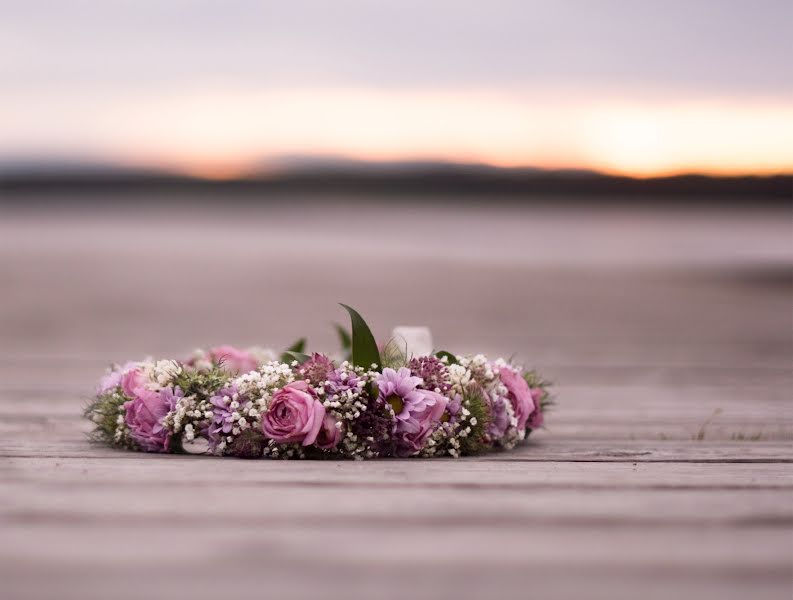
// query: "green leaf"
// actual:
[[289, 356], [344, 337], [452, 358], [298, 347], [364, 346]]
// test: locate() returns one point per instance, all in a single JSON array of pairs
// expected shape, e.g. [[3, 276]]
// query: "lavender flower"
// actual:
[[499, 417], [340, 381], [225, 412]]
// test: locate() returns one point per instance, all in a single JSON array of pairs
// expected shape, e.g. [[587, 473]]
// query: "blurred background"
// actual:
[[183, 173], [601, 188]]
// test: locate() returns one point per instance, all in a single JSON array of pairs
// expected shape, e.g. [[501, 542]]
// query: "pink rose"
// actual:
[[536, 419], [131, 381], [519, 395], [112, 380], [144, 414], [294, 415], [330, 435], [234, 360]]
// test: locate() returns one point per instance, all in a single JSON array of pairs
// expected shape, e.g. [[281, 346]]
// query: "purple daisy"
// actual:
[[417, 412]]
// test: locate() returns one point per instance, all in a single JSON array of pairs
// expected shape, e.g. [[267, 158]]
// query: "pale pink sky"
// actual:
[[222, 89]]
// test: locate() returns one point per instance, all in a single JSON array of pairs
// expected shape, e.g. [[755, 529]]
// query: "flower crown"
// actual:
[[368, 404]]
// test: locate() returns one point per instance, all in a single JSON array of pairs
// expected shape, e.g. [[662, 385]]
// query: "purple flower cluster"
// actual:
[[434, 374], [317, 369]]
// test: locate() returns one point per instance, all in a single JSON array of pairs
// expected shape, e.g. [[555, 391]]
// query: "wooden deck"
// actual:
[[665, 471]]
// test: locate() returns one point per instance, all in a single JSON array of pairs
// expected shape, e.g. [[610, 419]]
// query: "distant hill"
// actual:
[[414, 178]]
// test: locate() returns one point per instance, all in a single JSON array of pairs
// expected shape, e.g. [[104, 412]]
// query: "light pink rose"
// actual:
[[330, 435], [144, 414], [294, 415], [132, 381], [519, 395], [234, 360]]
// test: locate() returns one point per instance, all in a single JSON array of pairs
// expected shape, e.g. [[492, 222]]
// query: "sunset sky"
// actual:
[[225, 89]]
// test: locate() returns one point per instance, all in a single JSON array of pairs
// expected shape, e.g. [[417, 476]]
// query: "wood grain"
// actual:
[[665, 470]]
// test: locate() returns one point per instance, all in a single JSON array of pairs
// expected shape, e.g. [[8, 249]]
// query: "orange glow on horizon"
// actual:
[[223, 134]]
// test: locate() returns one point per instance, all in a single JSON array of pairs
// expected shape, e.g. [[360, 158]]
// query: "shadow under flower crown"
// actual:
[[368, 404]]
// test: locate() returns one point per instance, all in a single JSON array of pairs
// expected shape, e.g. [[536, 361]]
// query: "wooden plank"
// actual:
[[645, 346], [540, 448], [380, 504], [282, 558], [645, 317], [138, 544], [290, 578], [152, 469]]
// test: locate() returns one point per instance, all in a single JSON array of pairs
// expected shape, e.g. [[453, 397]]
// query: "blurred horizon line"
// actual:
[[297, 174]]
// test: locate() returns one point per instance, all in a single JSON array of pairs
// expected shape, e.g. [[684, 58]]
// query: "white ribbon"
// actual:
[[417, 339]]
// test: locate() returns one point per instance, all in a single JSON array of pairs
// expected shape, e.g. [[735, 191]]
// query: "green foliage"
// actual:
[[535, 381], [104, 412], [289, 356], [364, 347], [201, 383], [297, 348], [448, 355], [474, 401]]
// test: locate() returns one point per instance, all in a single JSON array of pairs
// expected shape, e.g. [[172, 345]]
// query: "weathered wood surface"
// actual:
[[665, 471]]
